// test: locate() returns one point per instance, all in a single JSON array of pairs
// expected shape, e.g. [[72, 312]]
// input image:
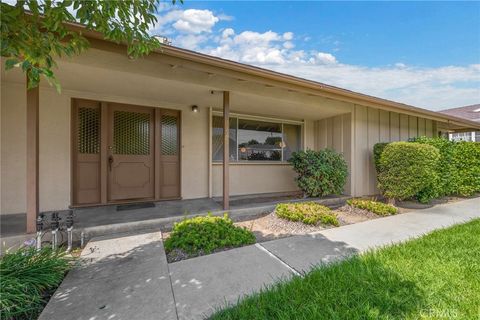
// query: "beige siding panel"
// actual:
[[428, 128], [421, 127], [412, 127], [384, 126], [373, 138], [309, 134], [394, 126], [347, 148], [403, 127], [337, 134], [329, 128], [361, 150], [322, 134]]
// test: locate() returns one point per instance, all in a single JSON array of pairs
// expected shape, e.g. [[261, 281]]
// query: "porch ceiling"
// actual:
[[152, 82]]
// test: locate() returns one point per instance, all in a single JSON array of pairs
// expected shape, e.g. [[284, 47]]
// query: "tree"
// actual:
[[34, 34]]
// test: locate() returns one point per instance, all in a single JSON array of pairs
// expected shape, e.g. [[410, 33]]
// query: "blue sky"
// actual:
[[422, 53]]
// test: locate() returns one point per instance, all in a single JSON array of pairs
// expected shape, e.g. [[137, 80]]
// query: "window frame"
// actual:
[[280, 121]]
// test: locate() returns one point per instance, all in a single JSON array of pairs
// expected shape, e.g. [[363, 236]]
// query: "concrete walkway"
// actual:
[[129, 278]]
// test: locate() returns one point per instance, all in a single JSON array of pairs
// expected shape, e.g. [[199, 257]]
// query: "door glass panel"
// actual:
[[89, 130], [131, 133], [169, 135]]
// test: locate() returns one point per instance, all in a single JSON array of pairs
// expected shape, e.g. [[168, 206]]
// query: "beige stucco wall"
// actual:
[[255, 178], [13, 149]]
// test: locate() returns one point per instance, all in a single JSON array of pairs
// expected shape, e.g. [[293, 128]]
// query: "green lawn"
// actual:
[[434, 277]]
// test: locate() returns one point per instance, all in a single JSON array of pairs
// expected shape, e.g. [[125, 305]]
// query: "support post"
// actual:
[[32, 157], [226, 149]]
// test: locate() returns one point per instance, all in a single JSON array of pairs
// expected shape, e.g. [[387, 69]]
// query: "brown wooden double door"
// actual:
[[124, 153]]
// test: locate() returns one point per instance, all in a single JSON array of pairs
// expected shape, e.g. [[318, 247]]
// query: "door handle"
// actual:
[[110, 162]]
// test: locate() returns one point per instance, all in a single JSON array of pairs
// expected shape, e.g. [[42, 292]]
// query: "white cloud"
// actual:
[[433, 88], [227, 33], [325, 58], [288, 36], [196, 21], [288, 45]]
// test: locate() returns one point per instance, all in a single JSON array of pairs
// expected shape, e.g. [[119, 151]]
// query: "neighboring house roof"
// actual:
[[471, 112], [313, 86]]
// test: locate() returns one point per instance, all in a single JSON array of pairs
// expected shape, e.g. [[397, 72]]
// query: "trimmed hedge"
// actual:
[[377, 152], [382, 209], [458, 168], [319, 173], [306, 212], [407, 170], [466, 157], [203, 235]]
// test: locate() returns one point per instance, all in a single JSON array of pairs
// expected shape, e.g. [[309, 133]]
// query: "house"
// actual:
[[472, 113], [126, 130]]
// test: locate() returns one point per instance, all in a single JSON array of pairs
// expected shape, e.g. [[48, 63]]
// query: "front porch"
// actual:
[[110, 219]]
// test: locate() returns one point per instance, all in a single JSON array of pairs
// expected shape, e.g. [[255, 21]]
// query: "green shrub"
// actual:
[[376, 207], [446, 169], [306, 212], [25, 275], [206, 234], [458, 168], [319, 173], [377, 152], [407, 170], [466, 158]]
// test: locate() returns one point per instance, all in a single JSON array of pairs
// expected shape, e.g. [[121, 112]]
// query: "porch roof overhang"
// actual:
[[249, 73]]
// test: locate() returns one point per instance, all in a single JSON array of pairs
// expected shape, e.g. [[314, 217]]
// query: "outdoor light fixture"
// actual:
[[195, 108]]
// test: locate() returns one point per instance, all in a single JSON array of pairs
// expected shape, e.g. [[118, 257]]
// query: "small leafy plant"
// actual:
[[307, 212], [203, 235], [376, 207], [25, 276]]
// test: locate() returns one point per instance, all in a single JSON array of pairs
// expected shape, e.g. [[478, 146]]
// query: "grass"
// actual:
[[26, 278], [379, 208], [433, 277], [307, 212]]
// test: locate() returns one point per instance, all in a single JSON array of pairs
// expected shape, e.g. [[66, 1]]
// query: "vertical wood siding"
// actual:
[[354, 135]]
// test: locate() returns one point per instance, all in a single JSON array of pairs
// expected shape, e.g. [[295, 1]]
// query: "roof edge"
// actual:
[[274, 75]]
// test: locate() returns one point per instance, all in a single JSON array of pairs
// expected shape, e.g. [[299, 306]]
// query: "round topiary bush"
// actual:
[[319, 173], [408, 169]]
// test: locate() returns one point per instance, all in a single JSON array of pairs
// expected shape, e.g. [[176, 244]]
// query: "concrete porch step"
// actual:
[[100, 221]]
